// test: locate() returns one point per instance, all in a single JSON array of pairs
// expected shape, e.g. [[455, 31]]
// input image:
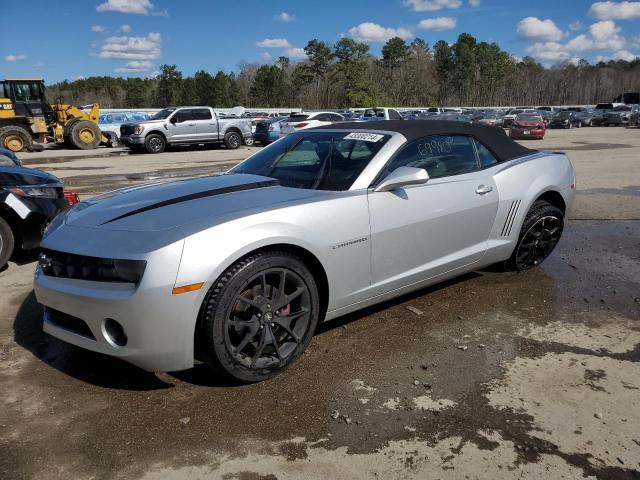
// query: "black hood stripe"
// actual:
[[196, 196]]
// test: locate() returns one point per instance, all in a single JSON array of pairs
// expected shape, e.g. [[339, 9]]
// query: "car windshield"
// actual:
[[297, 118], [528, 118], [373, 113], [563, 115], [316, 160], [162, 114]]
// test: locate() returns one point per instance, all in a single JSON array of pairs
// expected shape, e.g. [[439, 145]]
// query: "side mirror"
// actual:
[[174, 119], [401, 177]]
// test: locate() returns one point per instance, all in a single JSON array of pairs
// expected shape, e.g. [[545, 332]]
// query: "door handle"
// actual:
[[482, 189]]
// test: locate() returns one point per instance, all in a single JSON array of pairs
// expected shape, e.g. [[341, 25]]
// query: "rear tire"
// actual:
[[85, 135], [232, 140], [7, 242], [155, 143], [15, 139], [250, 327], [539, 235]]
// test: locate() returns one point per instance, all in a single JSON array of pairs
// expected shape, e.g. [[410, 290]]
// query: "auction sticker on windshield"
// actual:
[[365, 137]]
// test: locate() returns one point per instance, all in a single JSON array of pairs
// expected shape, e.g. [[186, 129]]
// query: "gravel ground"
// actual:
[[492, 375]]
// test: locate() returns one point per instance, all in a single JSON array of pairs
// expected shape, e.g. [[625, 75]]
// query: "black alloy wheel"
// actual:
[[259, 316], [269, 319], [538, 242]]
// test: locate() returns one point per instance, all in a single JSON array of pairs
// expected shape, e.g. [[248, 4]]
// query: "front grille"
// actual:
[[69, 265], [69, 322], [126, 129]]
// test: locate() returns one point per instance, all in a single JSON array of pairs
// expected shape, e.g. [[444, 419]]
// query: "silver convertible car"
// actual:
[[237, 270]]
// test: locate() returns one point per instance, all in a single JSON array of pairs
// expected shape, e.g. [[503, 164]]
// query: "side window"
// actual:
[[440, 156], [323, 117], [484, 155], [119, 118], [394, 115], [335, 118], [183, 115], [201, 114]]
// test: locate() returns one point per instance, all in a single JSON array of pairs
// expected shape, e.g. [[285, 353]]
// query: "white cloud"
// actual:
[[439, 23], [141, 7], [532, 28], [295, 53], [615, 10], [369, 32], [135, 66], [603, 35], [432, 5], [98, 28], [132, 48], [125, 28], [575, 26], [474, 3], [273, 43], [14, 57], [620, 55], [285, 17], [266, 56]]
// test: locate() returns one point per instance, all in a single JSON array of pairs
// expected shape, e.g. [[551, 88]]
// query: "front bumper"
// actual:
[[129, 140], [520, 134], [159, 325]]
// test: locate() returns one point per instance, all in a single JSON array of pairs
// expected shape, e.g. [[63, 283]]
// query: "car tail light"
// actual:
[[72, 198], [300, 125]]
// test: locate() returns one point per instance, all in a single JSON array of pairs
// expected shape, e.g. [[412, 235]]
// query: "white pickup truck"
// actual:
[[185, 125]]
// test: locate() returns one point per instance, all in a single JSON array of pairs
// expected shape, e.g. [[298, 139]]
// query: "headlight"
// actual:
[[138, 129], [43, 192]]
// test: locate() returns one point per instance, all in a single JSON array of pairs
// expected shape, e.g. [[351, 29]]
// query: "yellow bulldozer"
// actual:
[[27, 120]]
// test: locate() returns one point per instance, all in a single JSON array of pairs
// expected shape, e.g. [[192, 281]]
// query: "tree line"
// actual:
[[346, 74]]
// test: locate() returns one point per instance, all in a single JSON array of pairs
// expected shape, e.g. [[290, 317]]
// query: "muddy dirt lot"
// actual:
[[491, 376]]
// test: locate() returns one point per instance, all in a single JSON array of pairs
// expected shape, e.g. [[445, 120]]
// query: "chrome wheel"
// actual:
[[155, 144], [538, 242], [268, 319]]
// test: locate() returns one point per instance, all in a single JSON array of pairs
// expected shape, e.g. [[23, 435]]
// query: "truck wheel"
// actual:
[[6, 242], [15, 139], [155, 143], [85, 135], [232, 140]]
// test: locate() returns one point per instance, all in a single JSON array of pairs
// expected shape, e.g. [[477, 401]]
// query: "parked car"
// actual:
[[302, 121], [110, 124], [185, 125], [490, 119], [8, 158], [29, 199], [617, 116], [546, 116], [528, 126], [239, 269], [565, 119], [381, 113], [268, 130], [587, 117]]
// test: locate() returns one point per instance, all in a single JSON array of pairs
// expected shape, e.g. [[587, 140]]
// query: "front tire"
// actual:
[[7, 242], [85, 135], [15, 139], [259, 316], [155, 143], [540, 233]]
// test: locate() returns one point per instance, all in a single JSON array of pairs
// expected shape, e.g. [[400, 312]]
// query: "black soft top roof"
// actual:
[[493, 138]]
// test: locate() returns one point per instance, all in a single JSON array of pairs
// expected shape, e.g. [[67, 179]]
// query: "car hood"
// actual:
[[199, 203], [13, 176]]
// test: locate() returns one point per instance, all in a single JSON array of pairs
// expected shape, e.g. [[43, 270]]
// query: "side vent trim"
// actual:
[[511, 216]]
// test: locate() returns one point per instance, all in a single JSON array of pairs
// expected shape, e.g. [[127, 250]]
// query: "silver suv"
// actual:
[[185, 125]]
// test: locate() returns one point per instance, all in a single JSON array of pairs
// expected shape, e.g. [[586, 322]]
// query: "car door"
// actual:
[[422, 231], [182, 126], [206, 124]]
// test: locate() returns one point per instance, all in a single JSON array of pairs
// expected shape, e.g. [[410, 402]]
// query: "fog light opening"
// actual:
[[115, 332]]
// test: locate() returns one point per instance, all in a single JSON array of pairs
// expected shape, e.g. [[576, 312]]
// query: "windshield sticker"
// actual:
[[365, 137]]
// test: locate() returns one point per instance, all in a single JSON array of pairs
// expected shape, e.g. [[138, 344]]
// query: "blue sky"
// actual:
[[68, 39]]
